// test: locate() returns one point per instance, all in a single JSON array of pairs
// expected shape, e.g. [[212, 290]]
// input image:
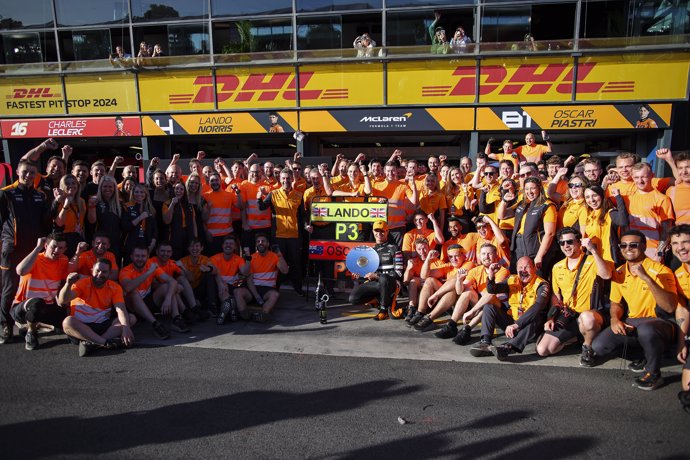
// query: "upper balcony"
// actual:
[[380, 54]]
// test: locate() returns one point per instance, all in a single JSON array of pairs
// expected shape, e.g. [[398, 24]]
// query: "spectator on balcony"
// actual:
[[364, 45], [119, 57], [460, 41], [144, 50], [157, 51], [439, 42]]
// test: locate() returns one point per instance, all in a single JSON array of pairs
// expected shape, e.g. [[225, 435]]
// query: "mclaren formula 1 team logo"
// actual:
[[386, 121], [265, 87], [527, 79]]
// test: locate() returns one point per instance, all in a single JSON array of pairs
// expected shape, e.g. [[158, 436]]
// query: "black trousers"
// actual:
[[292, 252], [207, 292], [653, 335], [495, 316], [382, 289]]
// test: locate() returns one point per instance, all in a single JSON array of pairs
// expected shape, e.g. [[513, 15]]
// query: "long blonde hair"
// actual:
[[194, 198], [114, 201], [148, 205]]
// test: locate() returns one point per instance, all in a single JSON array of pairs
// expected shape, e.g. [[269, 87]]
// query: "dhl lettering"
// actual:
[[529, 78], [259, 87], [29, 93]]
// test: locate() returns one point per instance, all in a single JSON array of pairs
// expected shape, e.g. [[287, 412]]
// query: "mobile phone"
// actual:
[[275, 248]]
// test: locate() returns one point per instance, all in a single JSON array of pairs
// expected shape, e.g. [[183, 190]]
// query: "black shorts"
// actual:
[[98, 328], [565, 334], [262, 290], [150, 304], [39, 312]]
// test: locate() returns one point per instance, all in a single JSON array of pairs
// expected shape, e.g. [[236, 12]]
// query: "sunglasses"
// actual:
[[629, 245], [489, 173], [575, 185], [523, 175], [564, 242], [296, 169]]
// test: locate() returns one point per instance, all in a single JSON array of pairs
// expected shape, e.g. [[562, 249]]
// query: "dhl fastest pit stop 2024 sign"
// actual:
[[85, 94], [219, 123], [71, 127], [577, 117]]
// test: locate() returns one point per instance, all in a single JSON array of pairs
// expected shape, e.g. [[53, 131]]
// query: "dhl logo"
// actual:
[[32, 93], [256, 87], [535, 78]]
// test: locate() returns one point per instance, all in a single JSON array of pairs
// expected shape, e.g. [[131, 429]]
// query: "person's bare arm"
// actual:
[[117, 161], [27, 263], [35, 153], [66, 295]]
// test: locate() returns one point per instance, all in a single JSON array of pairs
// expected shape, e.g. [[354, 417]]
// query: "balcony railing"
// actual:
[[391, 53]]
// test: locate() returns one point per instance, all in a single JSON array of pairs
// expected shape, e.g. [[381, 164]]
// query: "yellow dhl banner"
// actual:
[[431, 82], [264, 87], [633, 77], [93, 93], [577, 117], [539, 79], [176, 91], [31, 96], [342, 85], [104, 93]]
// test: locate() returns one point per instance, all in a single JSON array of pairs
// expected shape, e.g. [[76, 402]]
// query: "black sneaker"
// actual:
[[224, 311], [299, 291], [6, 334], [87, 348], [179, 324], [464, 336], [201, 314], [637, 366], [501, 352], [410, 313], [188, 315], [114, 344], [160, 331], [587, 356], [31, 339], [481, 349], [684, 398], [261, 317], [648, 381], [448, 331], [416, 318], [425, 324]]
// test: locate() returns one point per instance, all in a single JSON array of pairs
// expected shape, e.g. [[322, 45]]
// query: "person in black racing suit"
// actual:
[[381, 284]]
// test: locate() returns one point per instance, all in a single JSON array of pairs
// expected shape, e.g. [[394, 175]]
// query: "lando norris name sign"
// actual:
[[349, 212]]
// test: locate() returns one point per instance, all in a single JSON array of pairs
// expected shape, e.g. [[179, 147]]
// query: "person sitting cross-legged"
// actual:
[[92, 300]]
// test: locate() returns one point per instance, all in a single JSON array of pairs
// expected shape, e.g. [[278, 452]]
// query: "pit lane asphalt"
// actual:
[[294, 388]]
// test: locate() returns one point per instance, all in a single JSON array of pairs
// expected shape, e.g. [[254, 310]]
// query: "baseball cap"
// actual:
[[381, 225]]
